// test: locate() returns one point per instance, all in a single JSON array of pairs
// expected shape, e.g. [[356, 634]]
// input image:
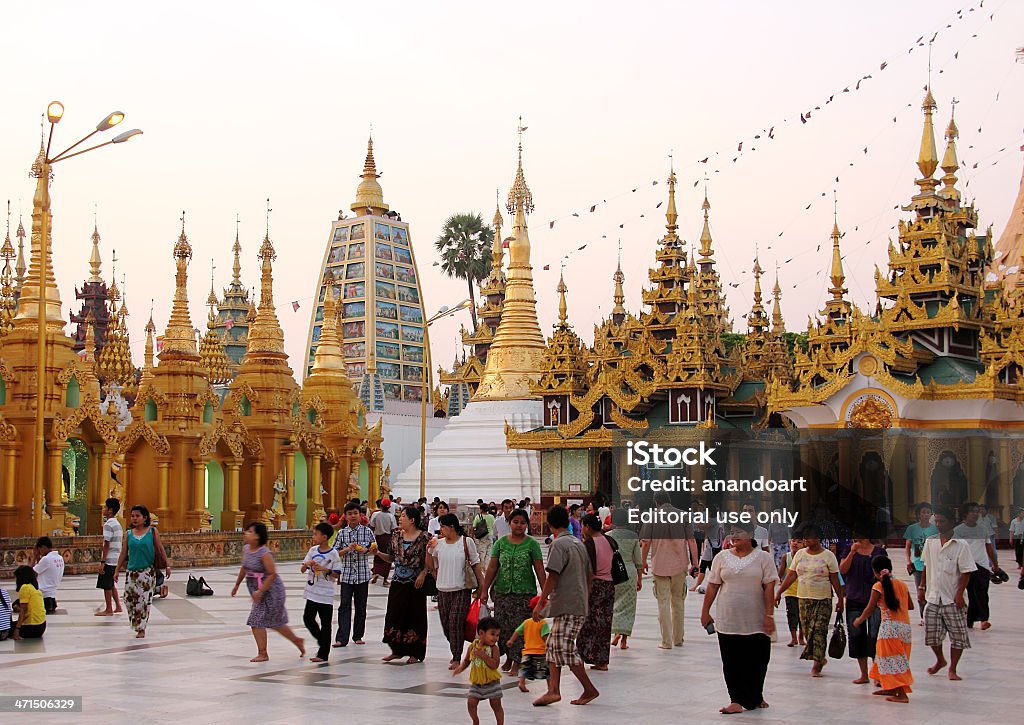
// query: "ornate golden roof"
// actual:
[[564, 363], [369, 194]]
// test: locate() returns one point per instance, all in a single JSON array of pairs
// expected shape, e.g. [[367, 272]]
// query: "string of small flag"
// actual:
[[803, 117]]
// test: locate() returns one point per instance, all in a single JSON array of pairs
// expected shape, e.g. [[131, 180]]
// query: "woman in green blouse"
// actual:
[[513, 575]]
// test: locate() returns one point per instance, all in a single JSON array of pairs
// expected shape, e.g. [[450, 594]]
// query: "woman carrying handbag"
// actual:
[[142, 556]]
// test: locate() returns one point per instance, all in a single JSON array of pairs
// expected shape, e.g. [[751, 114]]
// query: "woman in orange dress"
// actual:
[[891, 665]]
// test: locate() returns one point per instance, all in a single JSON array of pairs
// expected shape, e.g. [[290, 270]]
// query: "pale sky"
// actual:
[[241, 101]]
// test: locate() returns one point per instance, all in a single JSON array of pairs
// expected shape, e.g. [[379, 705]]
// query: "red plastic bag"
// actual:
[[477, 611]]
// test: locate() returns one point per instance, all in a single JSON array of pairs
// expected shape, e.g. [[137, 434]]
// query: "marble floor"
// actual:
[[193, 668]]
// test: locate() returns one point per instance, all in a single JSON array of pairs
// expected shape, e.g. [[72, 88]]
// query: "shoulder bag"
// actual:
[[470, 575], [620, 575], [159, 555]]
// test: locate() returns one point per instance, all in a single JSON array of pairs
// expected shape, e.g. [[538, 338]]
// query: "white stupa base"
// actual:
[[469, 459]]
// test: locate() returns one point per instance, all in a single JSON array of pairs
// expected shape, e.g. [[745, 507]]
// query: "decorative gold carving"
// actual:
[[871, 411]]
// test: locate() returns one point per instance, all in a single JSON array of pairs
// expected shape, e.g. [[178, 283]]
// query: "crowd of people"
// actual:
[[570, 611]]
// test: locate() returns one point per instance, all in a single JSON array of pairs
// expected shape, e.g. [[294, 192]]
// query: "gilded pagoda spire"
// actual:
[[179, 336], [513, 359], [836, 274], [671, 216], [212, 357], [950, 163], [619, 296], [778, 321], [94, 256], [89, 351], [147, 359], [563, 308], [19, 267], [328, 359], [369, 194], [497, 250], [757, 319], [33, 288], [706, 250], [8, 298], [236, 265], [265, 334], [928, 158]]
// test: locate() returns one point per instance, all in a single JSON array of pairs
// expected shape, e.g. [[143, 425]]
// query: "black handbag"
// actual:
[[837, 644], [620, 575], [429, 588], [192, 588], [198, 587]]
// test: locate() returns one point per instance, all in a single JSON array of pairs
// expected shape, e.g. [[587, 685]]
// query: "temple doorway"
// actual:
[[75, 480], [214, 492]]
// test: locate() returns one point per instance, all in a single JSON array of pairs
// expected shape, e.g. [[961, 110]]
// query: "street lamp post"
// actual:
[[54, 113], [428, 388]]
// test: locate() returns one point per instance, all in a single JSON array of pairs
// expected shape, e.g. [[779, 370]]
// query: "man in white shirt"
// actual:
[[976, 535], [1017, 536], [382, 523], [501, 525], [948, 567], [113, 536], [49, 570], [760, 532]]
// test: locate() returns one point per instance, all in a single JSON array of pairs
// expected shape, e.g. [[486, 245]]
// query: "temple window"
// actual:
[[72, 394]]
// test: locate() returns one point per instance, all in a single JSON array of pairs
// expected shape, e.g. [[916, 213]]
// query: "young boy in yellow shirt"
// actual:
[[482, 659]]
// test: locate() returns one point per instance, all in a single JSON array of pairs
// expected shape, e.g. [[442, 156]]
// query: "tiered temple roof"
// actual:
[[94, 296]]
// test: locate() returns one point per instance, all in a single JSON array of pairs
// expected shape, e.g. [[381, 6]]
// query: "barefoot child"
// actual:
[[483, 659], [891, 665], [534, 632], [792, 602], [323, 565]]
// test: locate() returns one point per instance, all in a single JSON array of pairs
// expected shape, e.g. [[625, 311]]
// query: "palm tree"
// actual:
[[465, 249]]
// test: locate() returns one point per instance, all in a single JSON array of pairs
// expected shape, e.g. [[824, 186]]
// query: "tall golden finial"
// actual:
[[757, 280], [328, 359], [619, 297], [950, 163], [113, 291], [19, 267], [497, 251], [265, 334], [8, 301], [236, 248], [94, 256], [179, 337], [150, 333], [89, 348], [836, 275], [671, 216], [211, 299], [8, 249], [706, 250], [520, 199], [563, 308], [778, 321], [369, 194], [927, 159]]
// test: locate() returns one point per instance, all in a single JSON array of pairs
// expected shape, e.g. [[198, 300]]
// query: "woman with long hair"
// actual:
[[815, 569], [513, 574], [140, 554], [267, 591], [594, 641], [450, 555], [742, 579], [405, 624], [624, 609], [891, 666]]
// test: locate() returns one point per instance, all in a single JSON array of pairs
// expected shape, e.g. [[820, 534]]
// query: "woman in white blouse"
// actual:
[[457, 567], [743, 580]]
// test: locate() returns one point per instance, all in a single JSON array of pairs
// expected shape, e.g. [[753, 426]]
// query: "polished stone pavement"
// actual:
[[193, 668]]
